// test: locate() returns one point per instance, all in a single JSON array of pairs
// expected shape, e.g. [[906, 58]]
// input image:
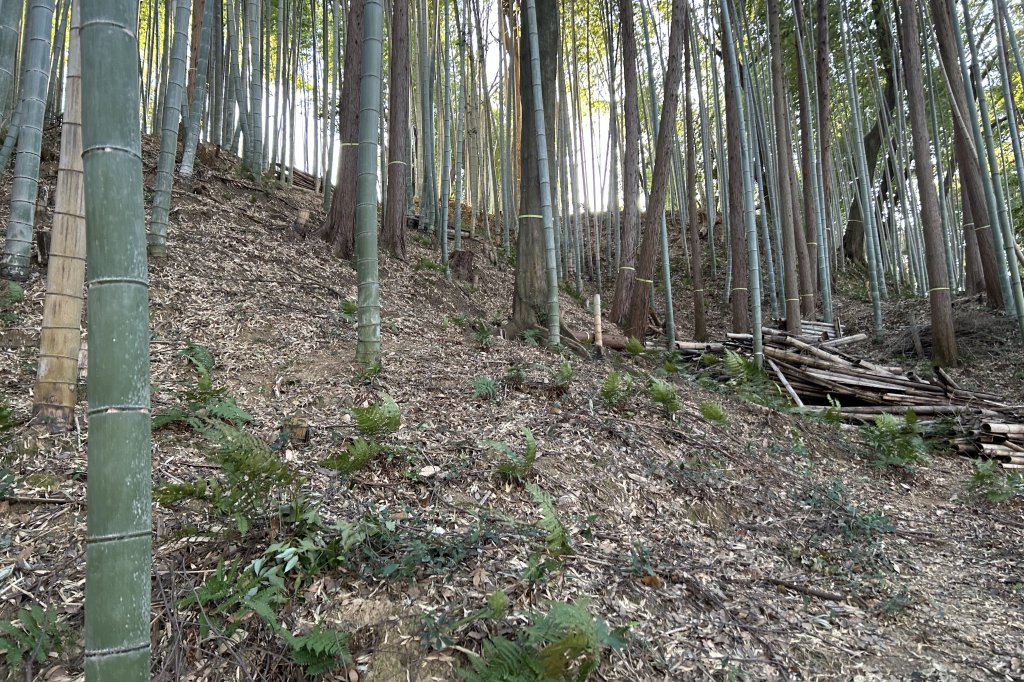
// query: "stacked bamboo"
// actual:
[[813, 371], [302, 179]]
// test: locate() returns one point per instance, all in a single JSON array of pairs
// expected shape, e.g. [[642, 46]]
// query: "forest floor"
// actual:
[[728, 540]]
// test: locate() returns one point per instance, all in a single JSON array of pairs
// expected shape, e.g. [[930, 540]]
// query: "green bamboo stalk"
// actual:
[[192, 134], [753, 261], [25, 185], [169, 136], [10, 33], [368, 292], [118, 546], [551, 267]]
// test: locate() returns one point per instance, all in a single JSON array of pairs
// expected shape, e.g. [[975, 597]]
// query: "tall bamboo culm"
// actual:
[[25, 184], [368, 292], [118, 553]]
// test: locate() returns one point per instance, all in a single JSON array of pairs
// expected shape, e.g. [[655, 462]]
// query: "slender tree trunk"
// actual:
[[784, 156], [639, 308], [340, 226], [943, 338], [368, 298], [630, 169], [738, 293], [531, 296], [169, 136], [697, 275], [10, 36], [966, 155], [393, 230]]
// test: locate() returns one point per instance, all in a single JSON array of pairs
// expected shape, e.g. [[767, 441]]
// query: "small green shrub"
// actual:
[[516, 467], [484, 388], [203, 403], [531, 337], [664, 395], [354, 457], [566, 643], [616, 388], [380, 419], [11, 293], [482, 334], [561, 378], [895, 443], [254, 478], [713, 412], [428, 264], [515, 376], [558, 544], [34, 634], [349, 309], [988, 481], [634, 346]]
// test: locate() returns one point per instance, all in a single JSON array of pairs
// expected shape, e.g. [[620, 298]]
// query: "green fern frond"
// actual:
[[514, 466], [319, 651], [379, 419], [558, 537], [200, 356], [357, 455], [484, 388], [616, 388], [634, 346], [713, 412], [226, 410], [665, 395]]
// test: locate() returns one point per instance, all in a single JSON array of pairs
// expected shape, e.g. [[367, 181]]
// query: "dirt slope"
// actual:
[[758, 546]]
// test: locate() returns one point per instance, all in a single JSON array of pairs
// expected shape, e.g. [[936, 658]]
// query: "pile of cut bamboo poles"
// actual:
[[818, 376]]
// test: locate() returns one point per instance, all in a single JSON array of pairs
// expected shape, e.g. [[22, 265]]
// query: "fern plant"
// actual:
[[531, 337], [484, 388], [664, 395], [516, 467], [558, 544], [318, 651], [34, 634], [354, 457], [713, 412], [895, 443], [634, 346], [616, 388], [204, 402], [988, 482], [561, 378], [380, 419], [11, 293], [254, 477], [348, 310], [515, 376], [564, 644]]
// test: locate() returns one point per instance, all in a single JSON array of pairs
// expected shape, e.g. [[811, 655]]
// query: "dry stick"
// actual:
[[814, 592]]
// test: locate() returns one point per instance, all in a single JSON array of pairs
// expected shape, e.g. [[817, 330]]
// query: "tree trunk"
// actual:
[[784, 156], [853, 236], [699, 324], [630, 168], [530, 296], [639, 309], [340, 227], [966, 157], [392, 234], [943, 338], [739, 296]]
